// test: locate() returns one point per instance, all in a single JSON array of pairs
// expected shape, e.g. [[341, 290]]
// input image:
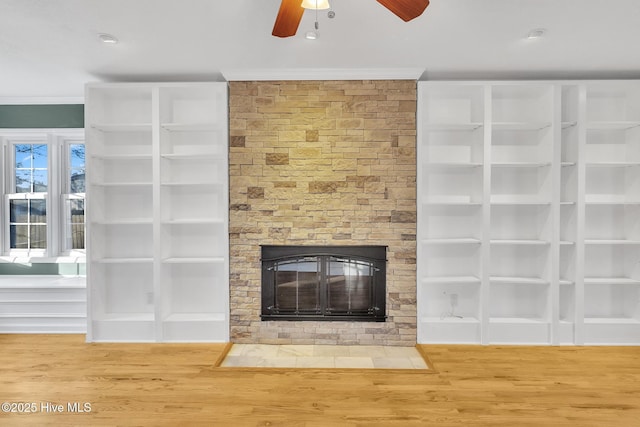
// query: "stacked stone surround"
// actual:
[[322, 163]]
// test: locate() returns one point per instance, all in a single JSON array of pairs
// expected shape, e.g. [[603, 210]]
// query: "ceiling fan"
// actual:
[[290, 13]]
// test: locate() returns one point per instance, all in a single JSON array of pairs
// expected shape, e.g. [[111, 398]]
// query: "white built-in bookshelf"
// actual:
[[529, 212], [157, 212], [612, 214]]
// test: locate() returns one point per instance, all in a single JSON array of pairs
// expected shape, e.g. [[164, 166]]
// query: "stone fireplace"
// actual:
[[323, 163]]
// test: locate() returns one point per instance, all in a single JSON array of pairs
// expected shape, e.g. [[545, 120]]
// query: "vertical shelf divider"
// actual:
[[485, 285], [580, 214], [556, 182], [420, 131], [157, 248], [92, 305]]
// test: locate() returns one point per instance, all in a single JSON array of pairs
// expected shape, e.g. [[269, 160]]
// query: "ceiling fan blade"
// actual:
[[405, 9], [288, 18]]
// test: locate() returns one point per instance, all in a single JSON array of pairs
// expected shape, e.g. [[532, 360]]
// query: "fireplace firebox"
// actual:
[[324, 283]]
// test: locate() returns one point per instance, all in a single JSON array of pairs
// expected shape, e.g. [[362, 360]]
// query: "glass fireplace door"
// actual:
[[323, 283], [350, 286], [297, 285]]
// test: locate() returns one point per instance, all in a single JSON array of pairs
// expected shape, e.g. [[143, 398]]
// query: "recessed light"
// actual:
[[107, 38], [312, 35], [536, 33]]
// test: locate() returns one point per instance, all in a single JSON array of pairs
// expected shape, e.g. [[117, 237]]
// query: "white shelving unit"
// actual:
[[612, 214], [157, 203], [529, 212], [451, 242], [521, 213]]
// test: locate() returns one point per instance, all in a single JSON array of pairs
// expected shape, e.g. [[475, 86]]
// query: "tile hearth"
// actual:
[[323, 356]]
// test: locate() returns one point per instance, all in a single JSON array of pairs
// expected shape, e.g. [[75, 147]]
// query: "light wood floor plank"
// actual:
[[178, 384]]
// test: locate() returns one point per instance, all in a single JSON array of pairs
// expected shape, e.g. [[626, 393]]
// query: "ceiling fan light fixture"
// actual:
[[316, 4], [311, 35]]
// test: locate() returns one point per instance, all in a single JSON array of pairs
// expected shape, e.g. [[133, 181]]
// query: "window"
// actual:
[[73, 198], [27, 203], [43, 178]]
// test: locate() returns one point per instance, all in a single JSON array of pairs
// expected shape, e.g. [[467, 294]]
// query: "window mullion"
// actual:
[[52, 200]]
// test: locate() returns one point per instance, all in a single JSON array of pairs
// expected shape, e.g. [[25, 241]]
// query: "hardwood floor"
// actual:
[[177, 384]]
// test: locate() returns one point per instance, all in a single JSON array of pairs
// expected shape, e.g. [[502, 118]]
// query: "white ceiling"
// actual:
[[50, 47]]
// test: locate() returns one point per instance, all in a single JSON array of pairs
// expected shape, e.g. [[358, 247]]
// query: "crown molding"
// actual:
[[264, 74]]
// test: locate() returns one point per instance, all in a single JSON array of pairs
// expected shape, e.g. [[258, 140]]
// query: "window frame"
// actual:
[[58, 143]]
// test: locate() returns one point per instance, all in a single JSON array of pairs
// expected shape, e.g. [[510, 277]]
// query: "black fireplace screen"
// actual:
[[323, 283]]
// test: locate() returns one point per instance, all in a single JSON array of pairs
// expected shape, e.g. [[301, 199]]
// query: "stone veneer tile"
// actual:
[[324, 186], [312, 135], [237, 141], [255, 192], [319, 163], [277, 159]]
